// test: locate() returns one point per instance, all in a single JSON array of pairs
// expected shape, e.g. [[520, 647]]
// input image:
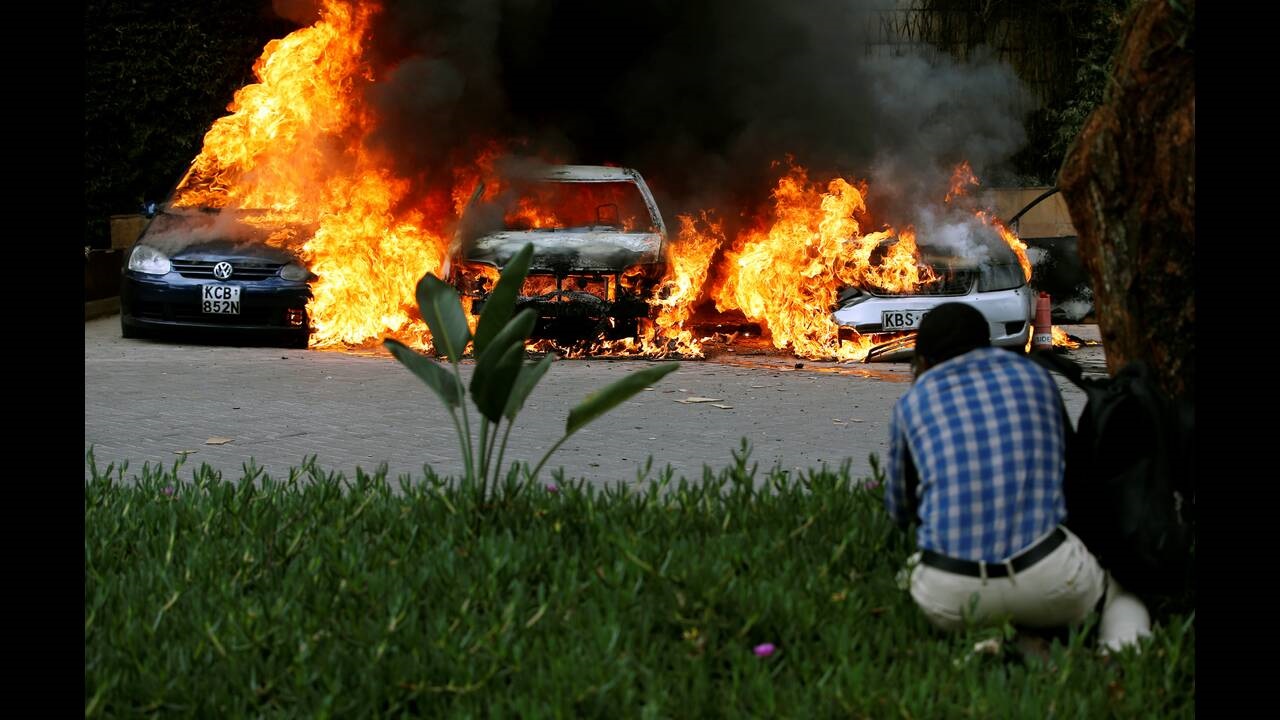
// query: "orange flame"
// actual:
[[689, 257], [466, 177], [1011, 239], [548, 206], [961, 177], [293, 150], [785, 275], [1061, 339], [687, 267], [282, 130]]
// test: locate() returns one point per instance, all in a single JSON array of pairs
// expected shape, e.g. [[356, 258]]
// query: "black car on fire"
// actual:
[[216, 273]]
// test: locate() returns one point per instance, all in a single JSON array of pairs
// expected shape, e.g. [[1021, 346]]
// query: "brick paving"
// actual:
[[147, 401]]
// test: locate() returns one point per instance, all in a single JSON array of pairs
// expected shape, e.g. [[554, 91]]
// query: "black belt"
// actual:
[[996, 569]]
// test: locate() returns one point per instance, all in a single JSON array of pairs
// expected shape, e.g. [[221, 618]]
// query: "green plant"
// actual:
[[314, 594], [501, 381]]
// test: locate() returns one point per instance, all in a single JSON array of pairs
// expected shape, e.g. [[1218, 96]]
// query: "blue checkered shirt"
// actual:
[[985, 432]]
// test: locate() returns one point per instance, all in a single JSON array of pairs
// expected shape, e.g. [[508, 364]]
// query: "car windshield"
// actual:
[[550, 205], [176, 229]]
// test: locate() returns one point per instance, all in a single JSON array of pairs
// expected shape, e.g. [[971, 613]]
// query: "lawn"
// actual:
[[743, 593]]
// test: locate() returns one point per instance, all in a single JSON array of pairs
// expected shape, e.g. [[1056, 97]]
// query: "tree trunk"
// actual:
[[1129, 184]]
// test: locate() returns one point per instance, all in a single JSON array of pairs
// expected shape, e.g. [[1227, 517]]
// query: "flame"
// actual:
[[1011, 239], [549, 206], [294, 151], [689, 257], [528, 214], [280, 136], [466, 177], [1061, 339], [961, 178], [786, 272], [688, 264]]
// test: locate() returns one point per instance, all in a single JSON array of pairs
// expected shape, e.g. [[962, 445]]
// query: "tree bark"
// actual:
[[1129, 184]]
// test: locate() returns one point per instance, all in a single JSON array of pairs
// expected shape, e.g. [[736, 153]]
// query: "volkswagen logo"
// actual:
[[222, 270]]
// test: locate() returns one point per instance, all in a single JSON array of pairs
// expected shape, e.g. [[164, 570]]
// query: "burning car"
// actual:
[[212, 270], [599, 247], [994, 282]]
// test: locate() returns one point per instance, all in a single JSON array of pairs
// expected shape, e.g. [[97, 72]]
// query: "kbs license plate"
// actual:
[[220, 299], [895, 320]]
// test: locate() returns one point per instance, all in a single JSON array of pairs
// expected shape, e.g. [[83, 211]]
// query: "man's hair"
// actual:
[[950, 330]]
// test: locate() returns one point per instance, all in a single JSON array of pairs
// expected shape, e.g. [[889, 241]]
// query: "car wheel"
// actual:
[[299, 341]]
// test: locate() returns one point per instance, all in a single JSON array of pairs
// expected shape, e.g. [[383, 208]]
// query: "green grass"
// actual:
[[319, 597]]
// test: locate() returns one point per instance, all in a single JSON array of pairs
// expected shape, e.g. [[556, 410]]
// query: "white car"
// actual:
[[996, 286]]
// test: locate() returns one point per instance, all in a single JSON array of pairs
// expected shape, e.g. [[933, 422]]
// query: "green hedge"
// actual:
[[321, 597]]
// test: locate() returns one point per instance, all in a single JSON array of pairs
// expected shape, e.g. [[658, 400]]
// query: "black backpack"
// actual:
[[1130, 484]]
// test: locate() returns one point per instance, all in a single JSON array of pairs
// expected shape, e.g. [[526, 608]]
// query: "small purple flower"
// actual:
[[168, 491], [552, 488], [764, 649], [871, 485]]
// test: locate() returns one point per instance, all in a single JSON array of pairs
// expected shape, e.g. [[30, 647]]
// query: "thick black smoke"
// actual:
[[702, 97]]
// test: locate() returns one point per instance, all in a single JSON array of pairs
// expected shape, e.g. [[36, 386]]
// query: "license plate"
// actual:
[[895, 320], [220, 299]]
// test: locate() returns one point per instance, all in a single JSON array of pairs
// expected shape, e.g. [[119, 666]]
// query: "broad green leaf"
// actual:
[[491, 389], [501, 302], [491, 382], [442, 310], [435, 375], [518, 329], [613, 394], [529, 376]]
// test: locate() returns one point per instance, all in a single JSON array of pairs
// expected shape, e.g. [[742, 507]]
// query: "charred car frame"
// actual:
[[599, 247]]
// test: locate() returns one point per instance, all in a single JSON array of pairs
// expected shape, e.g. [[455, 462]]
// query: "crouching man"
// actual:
[[976, 456]]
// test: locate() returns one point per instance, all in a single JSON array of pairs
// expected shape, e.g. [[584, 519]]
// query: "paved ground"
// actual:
[[149, 401]]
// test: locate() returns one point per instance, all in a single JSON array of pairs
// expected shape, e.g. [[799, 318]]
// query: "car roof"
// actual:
[[584, 173]]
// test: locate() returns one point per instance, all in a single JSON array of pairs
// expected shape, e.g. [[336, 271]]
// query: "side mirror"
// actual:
[[149, 209]]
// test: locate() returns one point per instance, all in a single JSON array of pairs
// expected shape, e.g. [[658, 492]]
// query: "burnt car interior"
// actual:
[[551, 205], [590, 279]]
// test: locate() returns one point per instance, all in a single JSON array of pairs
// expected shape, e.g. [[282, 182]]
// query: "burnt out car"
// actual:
[[599, 247], [986, 274], [216, 273]]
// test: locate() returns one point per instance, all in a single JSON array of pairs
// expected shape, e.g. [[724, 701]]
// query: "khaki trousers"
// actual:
[[1058, 591]]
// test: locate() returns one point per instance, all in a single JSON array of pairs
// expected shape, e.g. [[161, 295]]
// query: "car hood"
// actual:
[[570, 250], [244, 250]]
